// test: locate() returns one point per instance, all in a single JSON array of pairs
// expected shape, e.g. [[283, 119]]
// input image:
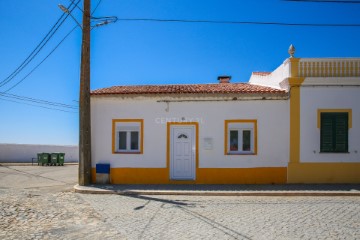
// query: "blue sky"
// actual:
[[135, 53]]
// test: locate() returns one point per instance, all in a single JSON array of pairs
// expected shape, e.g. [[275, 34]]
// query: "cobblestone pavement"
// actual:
[[39, 215], [199, 217], [39, 203]]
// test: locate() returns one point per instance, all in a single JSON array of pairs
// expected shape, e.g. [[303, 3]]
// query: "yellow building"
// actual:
[[324, 97]]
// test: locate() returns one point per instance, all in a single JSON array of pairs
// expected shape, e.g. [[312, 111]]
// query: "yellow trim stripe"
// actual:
[[324, 172], [349, 111], [294, 82], [265, 175], [295, 125], [294, 67]]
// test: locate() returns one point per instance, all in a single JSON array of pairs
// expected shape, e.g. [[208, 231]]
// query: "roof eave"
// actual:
[[281, 95]]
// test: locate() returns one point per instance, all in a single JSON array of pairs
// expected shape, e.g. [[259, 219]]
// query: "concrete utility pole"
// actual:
[[84, 115]]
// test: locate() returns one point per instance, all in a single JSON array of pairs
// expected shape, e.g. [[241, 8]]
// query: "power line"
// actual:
[[26, 100], [323, 1], [56, 109], [239, 22], [33, 50], [38, 101], [101, 20], [72, 2], [4, 83], [41, 61], [38, 48], [97, 5]]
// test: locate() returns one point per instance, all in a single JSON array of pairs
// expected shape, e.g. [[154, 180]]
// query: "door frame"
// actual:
[[168, 142]]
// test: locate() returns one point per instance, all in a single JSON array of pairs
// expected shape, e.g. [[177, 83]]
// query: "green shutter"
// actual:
[[326, 133], [334, 132], [341, 132]]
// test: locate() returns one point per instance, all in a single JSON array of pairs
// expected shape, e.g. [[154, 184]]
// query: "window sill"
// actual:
[[334, 152], [127, 152], [240, 153]]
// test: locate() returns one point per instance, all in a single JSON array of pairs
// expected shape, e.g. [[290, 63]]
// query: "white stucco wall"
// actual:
[[24, 152], [331, 97], [275, 79], [272, 119]]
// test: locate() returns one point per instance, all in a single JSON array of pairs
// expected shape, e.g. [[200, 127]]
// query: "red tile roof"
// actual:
[[261, 73], [245, 88]]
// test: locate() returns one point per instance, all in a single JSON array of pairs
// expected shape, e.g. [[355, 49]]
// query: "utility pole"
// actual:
[[84, 113], [84, 101]]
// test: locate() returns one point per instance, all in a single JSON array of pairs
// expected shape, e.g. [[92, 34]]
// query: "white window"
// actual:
[[127, 136], [240, 137]]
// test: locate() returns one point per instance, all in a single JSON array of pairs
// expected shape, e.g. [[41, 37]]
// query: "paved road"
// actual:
[[38, 203], [191, 217]]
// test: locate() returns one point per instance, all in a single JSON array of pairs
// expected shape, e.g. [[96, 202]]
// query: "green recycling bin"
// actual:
[[54, 159], [39, 158], [61, 159], [45, 159]]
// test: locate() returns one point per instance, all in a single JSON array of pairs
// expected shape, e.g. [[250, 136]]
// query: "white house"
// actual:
[[297, 124]]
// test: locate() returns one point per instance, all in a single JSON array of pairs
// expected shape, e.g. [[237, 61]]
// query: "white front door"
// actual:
[[182, 152]]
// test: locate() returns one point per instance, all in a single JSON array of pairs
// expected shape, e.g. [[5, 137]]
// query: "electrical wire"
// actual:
[[56, 109], [102, 20], [37, 51], [34, 100], [20, 81], [239, 22], [25, 100], [39, 47], [72, 2], [32, 51], [35, 48], [97, 5], [323, 1], [38, 101]]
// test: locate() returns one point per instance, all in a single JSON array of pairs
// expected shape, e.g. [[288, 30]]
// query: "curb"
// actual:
[[33, 164], [94, 190]]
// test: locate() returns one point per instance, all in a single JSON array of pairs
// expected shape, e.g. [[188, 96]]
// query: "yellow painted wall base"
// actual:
[[324, 173], [203, 176]]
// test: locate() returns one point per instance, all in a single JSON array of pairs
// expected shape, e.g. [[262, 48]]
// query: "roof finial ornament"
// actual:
[[291, 51]]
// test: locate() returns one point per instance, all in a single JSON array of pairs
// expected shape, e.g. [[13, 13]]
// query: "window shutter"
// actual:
[[334, 132], [326, 135], [341, 132]]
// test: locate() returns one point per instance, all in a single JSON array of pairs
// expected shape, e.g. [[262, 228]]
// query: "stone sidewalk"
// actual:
[[54, 178], [225, 190]]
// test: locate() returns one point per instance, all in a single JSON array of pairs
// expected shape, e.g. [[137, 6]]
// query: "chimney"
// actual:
[[224, 79]]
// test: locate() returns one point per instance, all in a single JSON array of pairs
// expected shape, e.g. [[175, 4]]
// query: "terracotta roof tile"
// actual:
[[261, 73], [188, 88]]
